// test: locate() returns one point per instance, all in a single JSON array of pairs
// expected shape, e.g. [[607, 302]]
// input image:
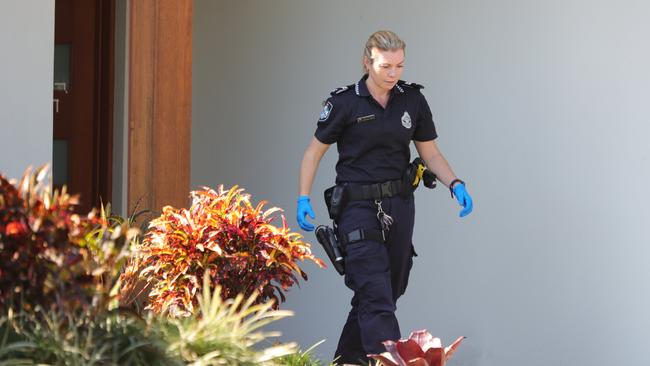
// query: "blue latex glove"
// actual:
[[463, 199], [304, 208]]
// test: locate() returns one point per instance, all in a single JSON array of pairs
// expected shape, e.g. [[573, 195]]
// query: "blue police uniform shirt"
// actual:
[[373, 142]]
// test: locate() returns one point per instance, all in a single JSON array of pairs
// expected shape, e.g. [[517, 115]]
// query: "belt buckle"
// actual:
[[386, 189]]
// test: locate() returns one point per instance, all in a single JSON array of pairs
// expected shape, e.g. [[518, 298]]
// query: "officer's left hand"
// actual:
[[463, 199]]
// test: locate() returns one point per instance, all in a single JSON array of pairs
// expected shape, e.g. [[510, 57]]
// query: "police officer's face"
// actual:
[[385, 68]]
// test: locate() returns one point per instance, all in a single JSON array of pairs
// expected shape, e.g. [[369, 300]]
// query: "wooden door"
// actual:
[[83, 92]]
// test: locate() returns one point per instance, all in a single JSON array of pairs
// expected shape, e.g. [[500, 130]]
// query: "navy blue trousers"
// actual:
[[377, 273]]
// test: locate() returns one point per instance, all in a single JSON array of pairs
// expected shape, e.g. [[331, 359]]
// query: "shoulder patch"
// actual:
[[341, 89], [327, 109], [411, 85]]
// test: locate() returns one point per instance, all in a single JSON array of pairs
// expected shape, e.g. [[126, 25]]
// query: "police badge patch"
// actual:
[[406, 120], [327, 108]]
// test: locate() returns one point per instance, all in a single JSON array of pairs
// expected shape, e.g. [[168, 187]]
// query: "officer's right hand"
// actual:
[[304, 209]]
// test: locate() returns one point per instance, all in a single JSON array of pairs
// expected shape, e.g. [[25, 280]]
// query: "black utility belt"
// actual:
[[337, 196], [378, 191]]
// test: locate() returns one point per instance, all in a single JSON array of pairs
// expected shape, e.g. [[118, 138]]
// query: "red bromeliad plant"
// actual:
[[420, 349], [221, 233]]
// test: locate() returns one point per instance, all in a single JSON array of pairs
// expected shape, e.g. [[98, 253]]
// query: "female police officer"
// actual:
[[373, 122]]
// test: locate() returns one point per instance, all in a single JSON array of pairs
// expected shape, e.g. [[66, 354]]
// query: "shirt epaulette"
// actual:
[[341, 89], [411, 85]]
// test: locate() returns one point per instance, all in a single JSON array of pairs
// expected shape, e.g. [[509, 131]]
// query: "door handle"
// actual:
[[56, 105], [61, 86]]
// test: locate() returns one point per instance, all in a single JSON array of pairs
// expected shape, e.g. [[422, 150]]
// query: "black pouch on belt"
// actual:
[[335, 199]]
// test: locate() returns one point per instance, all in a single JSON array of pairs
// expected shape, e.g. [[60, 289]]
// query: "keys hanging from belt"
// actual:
[[384, 219]]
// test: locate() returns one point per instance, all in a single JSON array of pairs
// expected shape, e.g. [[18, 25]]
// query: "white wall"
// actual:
[[542, 107], [26, 84]]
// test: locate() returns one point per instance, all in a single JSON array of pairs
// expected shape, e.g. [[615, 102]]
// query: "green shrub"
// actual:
[[225, 332], [220, 333], [303, 358], [79, 338]]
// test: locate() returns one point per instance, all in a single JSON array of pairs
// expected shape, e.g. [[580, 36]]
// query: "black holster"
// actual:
[[327, 238]]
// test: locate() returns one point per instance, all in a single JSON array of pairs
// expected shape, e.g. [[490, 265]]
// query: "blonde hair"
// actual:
[[384, 40]]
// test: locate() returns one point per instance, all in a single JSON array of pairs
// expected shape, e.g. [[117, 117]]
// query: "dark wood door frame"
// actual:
[[160, 103]]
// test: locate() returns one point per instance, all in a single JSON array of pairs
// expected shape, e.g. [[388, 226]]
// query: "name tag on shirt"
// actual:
[[367, 118]]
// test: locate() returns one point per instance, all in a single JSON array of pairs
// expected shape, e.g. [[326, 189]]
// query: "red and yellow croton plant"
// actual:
[[221, 233]]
